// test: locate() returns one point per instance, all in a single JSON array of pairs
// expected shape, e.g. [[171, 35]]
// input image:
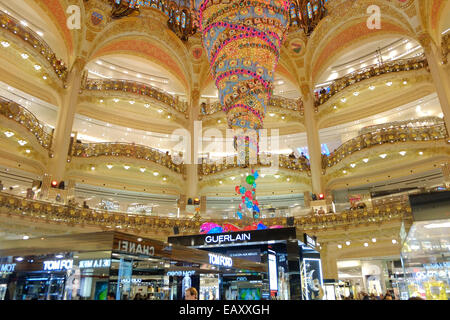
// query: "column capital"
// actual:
[[425, 40]]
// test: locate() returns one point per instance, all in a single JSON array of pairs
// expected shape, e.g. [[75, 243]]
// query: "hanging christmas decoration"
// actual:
[[249, 203], [243, 41]]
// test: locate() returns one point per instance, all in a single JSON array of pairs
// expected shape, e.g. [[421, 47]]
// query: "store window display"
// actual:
[[426, 263]]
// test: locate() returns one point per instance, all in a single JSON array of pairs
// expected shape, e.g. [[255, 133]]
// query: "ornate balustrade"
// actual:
[[370, 72], [263, 160], [445, 47], [276, 102], [14, 26], [385, 136], [116, 149], [183, 19], [137, 88], [25, 118], [73, 215]]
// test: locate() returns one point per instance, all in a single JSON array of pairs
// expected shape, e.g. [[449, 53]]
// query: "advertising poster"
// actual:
[[273, 274], [313, 278], [250, 294], [101, 290]]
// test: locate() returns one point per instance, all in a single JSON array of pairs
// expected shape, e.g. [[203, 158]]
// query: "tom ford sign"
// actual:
[[7, 268], [220, 260]]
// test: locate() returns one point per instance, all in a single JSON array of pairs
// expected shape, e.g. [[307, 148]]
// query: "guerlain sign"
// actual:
[[227, 238]]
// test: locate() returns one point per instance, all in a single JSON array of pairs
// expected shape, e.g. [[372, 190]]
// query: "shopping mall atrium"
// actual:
[[289, 150]]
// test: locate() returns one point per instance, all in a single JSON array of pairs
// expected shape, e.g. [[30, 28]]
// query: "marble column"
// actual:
[[329, 262], [439, 74], [312, 134], [66, 116], [193, 128]]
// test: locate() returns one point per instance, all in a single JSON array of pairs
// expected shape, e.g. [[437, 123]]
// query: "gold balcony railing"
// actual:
[[370, 72], [74, 215], [25, 118], [387, 135], [128, 150], [445, 47], [14, 26], [183, 19], [276, 102], [263, 160], [137, 88]]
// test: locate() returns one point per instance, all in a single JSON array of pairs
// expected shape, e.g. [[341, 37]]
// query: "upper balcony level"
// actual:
[[369, 72], [28, 121], [385, 134], [13, 30]]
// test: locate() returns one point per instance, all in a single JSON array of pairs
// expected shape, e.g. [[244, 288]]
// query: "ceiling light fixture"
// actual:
[[28, 151], [366, 160], [389, 83], [372, 88], [402, 153], [9, 134], [155, 173], [366, 244], [147, 105], [22, 142], [24, 56], [344, 171], [343, 99], [142, 170], [109, 166], [374, 240], [356, 93], [116, 100], [5, 44], [420, 153], [383, 155], [394, 241], [126, 167], [160, 111], [37, 67], [132, 102], [347, 243], [352, 165], [339, 246]]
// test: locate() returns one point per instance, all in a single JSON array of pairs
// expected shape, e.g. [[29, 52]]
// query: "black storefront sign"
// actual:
[[310, 241], [235, 237]]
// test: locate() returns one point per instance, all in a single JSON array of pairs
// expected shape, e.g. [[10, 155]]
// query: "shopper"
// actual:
[[137, 296], [191, 294], [387, 297], [111, 296]]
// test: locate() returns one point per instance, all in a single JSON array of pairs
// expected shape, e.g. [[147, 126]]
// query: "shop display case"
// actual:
[[426, 261]]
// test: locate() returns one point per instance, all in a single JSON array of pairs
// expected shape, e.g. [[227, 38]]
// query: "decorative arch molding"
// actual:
[[345, 26], [149, 38], [55, 10]]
